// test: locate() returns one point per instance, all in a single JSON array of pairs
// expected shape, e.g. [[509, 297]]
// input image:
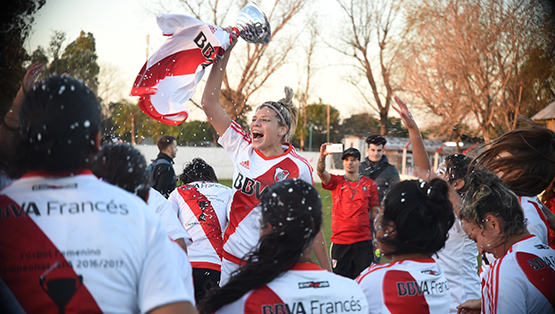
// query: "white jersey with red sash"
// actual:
[[306, 288], [460, 266], [202, 209], [80, 245], [522, 281], [253, 173], [407, 286], [536, 223]]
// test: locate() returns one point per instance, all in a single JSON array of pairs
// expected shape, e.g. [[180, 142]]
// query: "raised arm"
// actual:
[[321, 169], [211, 96], [419, 154]]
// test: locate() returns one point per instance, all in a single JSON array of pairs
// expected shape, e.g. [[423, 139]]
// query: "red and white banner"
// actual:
[[170, 76]]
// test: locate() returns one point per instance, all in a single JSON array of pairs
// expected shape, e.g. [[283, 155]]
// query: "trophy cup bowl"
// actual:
[[253, 25]]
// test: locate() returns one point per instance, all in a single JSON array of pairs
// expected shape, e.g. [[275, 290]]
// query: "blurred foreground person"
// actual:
[[70, 242], [411, 227], [123, 165], [280, 276], [522, 277]]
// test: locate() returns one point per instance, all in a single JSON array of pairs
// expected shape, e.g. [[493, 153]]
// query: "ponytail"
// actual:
[[294, 210]]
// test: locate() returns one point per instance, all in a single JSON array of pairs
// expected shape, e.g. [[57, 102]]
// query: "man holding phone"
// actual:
[[355, 200]]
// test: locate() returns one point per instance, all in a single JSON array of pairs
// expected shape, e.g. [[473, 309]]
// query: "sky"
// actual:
[[120, 28]]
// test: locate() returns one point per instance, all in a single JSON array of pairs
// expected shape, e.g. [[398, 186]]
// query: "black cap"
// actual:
[[351, 152]]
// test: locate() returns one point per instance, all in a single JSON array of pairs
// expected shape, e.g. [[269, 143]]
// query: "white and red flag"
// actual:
[[170, 76]]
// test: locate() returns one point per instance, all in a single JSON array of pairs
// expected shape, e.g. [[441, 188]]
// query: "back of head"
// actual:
[[294, 210], [488, 195], [164, 142], [529, 166], [286, 112], [197, 170], [375, 139], [59, 122], [422, 213], [123, 165], [457, 169]]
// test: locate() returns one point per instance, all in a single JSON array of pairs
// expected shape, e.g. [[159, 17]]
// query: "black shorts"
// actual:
[[349, 260], [205, 279]]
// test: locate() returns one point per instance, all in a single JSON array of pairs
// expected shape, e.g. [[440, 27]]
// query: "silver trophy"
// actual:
[[253, 25]]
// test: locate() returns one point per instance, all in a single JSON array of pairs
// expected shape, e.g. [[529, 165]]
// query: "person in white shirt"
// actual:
[[123, 165], [522, 277], [411, 226], [260, 158], [69, 241], [280, 276], [201, 205]]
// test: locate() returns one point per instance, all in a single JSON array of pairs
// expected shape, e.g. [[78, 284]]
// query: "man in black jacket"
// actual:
[[163, 175], [377, 167]]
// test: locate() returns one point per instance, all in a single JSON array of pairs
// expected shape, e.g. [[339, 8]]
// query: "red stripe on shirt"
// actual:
[[401, 292], [265, 300], [211, 224], [27, 258]]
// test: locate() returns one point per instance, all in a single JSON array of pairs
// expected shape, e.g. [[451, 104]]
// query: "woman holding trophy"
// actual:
[[261, 158]]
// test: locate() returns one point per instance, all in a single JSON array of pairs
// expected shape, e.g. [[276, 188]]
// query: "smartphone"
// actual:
[[334, 148]]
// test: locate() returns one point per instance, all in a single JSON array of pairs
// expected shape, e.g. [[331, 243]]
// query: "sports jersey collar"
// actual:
[[359, 176], [519, 241], [418, 260], [289, 149], [44, 173], [306, 266]]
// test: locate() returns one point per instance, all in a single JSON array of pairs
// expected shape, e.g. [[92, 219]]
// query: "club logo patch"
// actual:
[[280, 174]]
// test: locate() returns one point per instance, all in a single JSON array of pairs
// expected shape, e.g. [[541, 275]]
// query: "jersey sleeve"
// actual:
[[332, 184], [506, 290], [162, 267], [235, 140], [168, 216]]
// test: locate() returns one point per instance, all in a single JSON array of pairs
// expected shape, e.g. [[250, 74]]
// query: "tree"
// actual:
[[316, 119], [16, 20], [57, 40], [252, 64], [369, 27], [469, 61], [79, 60], [196, 133], [364, 124]]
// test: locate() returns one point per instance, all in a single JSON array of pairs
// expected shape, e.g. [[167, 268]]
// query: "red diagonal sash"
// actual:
[[33, 268], [207, 218]]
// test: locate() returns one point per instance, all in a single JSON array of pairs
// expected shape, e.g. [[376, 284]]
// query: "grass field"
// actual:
[[325, 196]]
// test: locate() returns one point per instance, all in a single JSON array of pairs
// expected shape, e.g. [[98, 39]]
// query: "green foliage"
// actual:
[[361, 124], [196, 133], [16, 20], [316, 116], [79, 60]]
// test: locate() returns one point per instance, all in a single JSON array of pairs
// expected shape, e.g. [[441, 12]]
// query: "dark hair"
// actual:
[[164, 142], [197, 170], [59, 122], [375, 139], [294, 210], [487, 194], [422, 214], [110, 138], [123, 165], [457, 168], [530, 168], [286, 109]]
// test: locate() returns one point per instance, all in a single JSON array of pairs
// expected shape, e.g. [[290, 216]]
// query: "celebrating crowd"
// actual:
[[87, 226]]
